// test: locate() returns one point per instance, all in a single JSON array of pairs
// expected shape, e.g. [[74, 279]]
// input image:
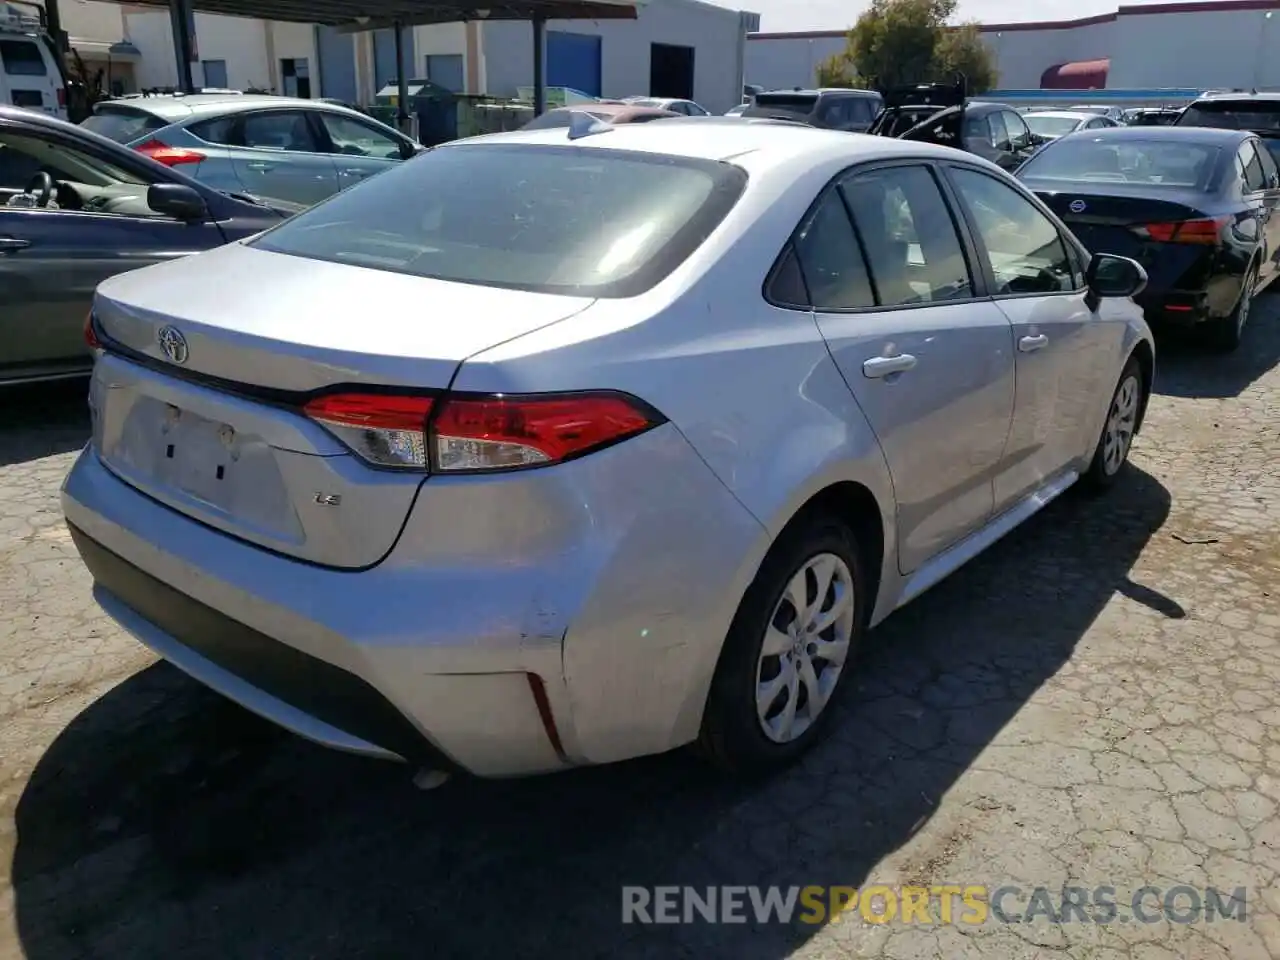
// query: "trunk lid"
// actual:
[[220, 437], [1106, 220]]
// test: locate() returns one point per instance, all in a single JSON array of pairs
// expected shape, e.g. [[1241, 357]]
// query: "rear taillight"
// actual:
[[462, 434], [91, 333], [62, 97], [169, 156], [1208, 231], [386, 430]]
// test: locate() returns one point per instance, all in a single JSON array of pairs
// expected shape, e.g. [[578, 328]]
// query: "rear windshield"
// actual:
[[1050, 126], [1233, 114], [549, 219], [122, 124], [776, 104], [1147, 162], [22, 58]]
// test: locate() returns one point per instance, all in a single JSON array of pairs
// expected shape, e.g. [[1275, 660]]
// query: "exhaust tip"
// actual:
[[430, 779]]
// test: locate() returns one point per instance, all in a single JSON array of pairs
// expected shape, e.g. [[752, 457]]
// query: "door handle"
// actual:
[[13, 244], [1032, 344], [353, 172], [259, 165], [879, 367]]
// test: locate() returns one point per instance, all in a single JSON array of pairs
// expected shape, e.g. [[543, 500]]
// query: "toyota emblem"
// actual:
[[1077, 206], [173, 343]]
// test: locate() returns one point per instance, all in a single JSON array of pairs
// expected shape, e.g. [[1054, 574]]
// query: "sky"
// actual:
[[783, 16]]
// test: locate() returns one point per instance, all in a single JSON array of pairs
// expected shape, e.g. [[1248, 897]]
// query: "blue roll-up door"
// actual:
[[573, 60], [337, 64], [384, 56], [447, 70]]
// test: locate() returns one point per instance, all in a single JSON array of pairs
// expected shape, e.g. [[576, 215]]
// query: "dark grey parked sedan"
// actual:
[[76, 208]]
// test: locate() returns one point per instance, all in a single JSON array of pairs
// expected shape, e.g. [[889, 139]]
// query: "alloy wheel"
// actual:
[[1122, 419]]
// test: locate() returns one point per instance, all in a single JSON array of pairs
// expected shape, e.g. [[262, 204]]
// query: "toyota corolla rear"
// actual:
[[1162, 200], [286, 498]]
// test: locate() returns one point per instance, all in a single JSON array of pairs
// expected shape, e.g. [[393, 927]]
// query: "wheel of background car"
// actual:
[[1225, 333], [790, 649], [41, 185]]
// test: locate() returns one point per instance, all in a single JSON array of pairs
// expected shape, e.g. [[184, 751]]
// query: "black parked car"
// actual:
[[830, 108], [76, 208], [1198, 208], [941, 113]]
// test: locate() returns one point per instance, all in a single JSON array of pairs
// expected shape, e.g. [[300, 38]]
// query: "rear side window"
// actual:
[[831, 261], [122, 124], [220, 130], [909, 236], [22, 58], [1251, 169], [584, 222]]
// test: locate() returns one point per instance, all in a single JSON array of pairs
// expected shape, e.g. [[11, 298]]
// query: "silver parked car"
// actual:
[[280, 148], [1047, 125], [625, 451]]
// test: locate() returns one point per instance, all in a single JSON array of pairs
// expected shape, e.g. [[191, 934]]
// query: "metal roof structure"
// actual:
[[354, 16]]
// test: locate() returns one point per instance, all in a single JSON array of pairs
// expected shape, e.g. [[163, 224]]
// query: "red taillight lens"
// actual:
[[91, 334], [169, 156], [1187, 231], [386, 430], [62, 96], [497, 433], [487, 433]]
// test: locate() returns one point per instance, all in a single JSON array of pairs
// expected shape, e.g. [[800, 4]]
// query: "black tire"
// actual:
[[733, 736], [1103, 471], [1225, 333]]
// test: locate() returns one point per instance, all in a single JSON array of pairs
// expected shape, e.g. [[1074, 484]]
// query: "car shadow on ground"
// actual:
[[40, 421], [165, 821], [1185, 367]]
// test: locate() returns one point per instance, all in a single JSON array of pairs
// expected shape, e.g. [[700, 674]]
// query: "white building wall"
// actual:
[[780, 62], [714, 32], [1022, 56], [1229, 48]]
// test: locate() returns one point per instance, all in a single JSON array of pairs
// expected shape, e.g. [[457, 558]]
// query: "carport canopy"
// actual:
[[354, 16]]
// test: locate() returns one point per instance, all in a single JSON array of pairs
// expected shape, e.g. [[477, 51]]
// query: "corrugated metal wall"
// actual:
[[337, 64]]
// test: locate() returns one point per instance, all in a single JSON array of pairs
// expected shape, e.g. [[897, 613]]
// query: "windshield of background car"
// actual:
[[1050, 126], [799, 105], [122, 124], [1233, 114], [549, 219], [1147, 162]]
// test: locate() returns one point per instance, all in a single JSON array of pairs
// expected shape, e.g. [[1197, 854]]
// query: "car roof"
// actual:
[[768, 143], [176, 108], [620, 112], [1063, 114], [1210, 136], [1265, 96], [819, 92]]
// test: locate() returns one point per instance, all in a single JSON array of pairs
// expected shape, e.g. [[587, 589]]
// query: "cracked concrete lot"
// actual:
[[1096, 701]]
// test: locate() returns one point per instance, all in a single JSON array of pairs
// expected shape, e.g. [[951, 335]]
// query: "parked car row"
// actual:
[[625, 451]]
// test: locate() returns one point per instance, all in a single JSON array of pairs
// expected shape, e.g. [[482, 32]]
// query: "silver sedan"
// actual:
[[627, 451]]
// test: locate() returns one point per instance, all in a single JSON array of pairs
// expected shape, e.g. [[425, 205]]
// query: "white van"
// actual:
[[29, 72]]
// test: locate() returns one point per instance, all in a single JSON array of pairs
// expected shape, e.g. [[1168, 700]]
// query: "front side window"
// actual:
[[279, 130], [1019, 135], [550, 219], [1026, 252], [999, 133], [1270, 175], [1251, 169], [911, 242], [352, 138]]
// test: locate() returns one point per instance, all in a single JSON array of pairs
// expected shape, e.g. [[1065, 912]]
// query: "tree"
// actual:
[[961, 50], [838, 70], [900, 42]]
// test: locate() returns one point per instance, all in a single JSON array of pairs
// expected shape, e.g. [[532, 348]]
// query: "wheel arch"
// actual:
[[1145, 355]]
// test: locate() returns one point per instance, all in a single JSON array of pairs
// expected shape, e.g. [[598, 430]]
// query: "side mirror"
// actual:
[[1112, 276], [177, 200], [409, 150]]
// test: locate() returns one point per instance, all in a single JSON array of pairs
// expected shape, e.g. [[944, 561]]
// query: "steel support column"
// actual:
[[402, 82], [539, 65], [183, 18]]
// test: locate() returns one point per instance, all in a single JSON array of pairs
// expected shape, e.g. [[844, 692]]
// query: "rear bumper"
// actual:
[[1175, 308], [521, 625]]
